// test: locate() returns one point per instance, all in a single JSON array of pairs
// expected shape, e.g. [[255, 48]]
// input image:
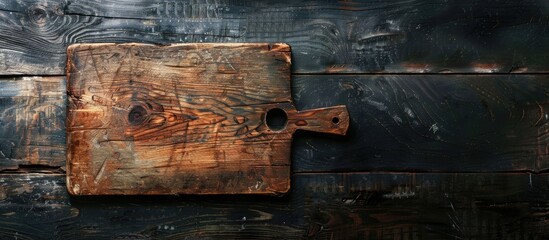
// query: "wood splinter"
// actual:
[[184, 119]]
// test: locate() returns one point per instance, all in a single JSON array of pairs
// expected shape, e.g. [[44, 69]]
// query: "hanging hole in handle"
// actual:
[[276, 119], [335, 120]]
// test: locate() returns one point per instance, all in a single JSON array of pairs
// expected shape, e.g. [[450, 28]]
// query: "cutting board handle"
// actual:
[[333, 120]]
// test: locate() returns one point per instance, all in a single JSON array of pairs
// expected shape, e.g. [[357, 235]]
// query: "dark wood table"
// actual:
[[448, 100]]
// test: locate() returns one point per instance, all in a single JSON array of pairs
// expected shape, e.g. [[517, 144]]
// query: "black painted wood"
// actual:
[[32, 122], [326, 36], [428, 123], [320, 206]]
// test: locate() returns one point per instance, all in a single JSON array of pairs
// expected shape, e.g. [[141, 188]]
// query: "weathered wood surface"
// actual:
[[483, 123], [327, 36], [320, 206], [32, 122], [184, 118], [464, 122], [428, 123]]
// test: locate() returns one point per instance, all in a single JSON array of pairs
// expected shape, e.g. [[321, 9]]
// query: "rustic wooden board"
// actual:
[[458, 123], [32, 122], [185, 118], [327, 36], [320, 206]]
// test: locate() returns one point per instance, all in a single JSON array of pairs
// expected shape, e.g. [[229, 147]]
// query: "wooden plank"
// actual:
[[320, 206], [32, 122], [398, 122], [419, 36], [184, 118], [428, 123]]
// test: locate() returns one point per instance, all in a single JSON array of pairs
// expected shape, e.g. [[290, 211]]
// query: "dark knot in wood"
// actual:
[[38, 15], [137, 115]]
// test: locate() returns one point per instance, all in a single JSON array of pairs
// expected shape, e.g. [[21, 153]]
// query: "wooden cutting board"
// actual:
[[184, 119]]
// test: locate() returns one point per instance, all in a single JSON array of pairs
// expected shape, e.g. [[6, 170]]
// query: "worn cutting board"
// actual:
[[184, 119]]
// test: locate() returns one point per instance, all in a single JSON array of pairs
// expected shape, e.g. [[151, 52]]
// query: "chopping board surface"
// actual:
[[184, 119]]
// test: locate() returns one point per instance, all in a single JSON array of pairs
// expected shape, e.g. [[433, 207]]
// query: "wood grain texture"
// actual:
[[484, 123], [320, 206], [424, 123], [186, 118], [418, 36], [428, 123], [32, 122]]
